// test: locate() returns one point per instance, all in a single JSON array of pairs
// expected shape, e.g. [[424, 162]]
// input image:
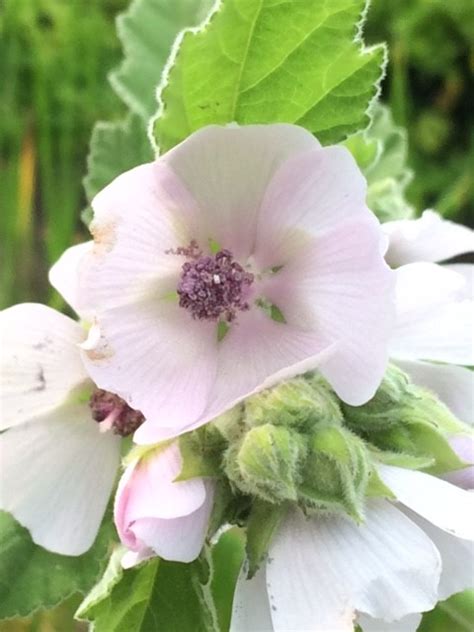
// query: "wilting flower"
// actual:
[[325, 572], [435, 307], [242, 256], [58, 465], [156, 515]]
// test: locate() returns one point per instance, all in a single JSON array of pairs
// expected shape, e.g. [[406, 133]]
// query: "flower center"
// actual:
[[213, 287], [113, 413]]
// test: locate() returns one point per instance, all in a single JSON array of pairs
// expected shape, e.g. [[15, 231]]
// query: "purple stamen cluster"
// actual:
[[112, 409], [213, 287]]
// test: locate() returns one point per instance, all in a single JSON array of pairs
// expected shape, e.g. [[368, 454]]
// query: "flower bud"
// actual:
[[336, 473], [155, 515], [405, 419], [300, 403], [266, 463]]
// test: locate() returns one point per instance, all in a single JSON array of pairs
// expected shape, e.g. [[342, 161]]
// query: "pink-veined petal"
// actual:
[[310, 194], [138, 219], [340, 288], [157, 358], [227, 170], [178, 539]]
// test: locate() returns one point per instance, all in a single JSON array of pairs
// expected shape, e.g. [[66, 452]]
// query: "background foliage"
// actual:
[[55, 57]]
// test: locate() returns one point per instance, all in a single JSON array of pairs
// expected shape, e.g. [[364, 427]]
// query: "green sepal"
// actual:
[[401, 459], [422, 441], [263, 522], [300, 403], [408, 422], [336, 474], [376, 488], [266, 463], [201, 453]]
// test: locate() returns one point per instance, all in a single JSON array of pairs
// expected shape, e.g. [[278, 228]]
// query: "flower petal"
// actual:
[[178, 539], [409, 623], [147, 490], [429, 238], [454, 385], [64, 275], [439, 502], [138, 219], [311, 193], [157, 358], [434, 320], [58, 472], [457, 558], [228, 169], [340, 288], [251, 609], [40, 363], [255, 354], [323, 569]]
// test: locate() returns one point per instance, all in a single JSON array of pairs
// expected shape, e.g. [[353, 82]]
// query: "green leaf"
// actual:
[[114, 148], [32, 578], [455, 615], [168, 596], [147, 31], [265, 61], [381, 152], [227, 558], [264, 520]]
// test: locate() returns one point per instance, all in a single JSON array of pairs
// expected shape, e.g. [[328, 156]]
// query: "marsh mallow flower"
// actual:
[[242, 256], [157, 515], [60, 440]]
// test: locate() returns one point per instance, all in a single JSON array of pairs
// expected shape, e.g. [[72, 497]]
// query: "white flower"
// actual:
[[434, 336], [325, 573], [58, 466]]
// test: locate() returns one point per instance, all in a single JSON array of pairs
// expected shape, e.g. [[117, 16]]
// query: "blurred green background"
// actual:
[[55, 56]]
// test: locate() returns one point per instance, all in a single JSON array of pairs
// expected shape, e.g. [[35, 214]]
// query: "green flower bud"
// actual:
[[336, 473], [266, 463], [384, 407], [407, 420], [301, 403]]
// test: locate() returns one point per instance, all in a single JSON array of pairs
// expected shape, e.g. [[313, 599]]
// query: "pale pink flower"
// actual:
[[256, 232], [156, 515], [60, 443]]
